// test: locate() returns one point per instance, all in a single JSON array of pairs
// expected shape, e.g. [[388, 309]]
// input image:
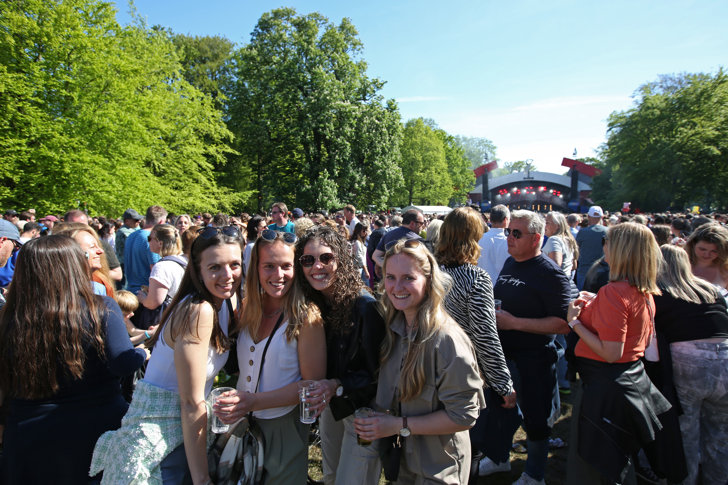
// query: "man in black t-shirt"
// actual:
[[534, 295]]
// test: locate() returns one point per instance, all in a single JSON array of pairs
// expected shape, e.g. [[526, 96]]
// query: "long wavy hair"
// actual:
[[563, 231], [72, 229], [459, 236], [676, 278], [431, 316], [712, 233], [192, 291], [347, 284], [50, 319], [296, 309]]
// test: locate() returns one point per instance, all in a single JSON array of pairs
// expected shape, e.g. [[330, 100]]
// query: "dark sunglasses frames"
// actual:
[[308, 260], [270, 235], [516, 233], [210, 231]]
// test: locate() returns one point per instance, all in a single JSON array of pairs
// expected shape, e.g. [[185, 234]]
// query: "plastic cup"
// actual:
[[308, 413], [498, 305], [363, 413], [218, 426]]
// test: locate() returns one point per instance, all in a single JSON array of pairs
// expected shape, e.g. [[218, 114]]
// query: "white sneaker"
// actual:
[[525, 479], [487, 467]]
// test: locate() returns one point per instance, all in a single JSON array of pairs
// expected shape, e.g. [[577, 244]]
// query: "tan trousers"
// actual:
[[344, 461]]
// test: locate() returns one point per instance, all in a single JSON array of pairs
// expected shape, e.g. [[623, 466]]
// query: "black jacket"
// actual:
[[353, 356], [620, 413]]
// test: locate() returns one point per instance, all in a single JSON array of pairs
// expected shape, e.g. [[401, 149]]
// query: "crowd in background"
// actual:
[[455, 329]]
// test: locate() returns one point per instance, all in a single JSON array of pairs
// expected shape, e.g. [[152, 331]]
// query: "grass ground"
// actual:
[[555, 470]]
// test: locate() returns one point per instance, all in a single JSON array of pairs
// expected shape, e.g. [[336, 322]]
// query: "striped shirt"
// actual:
[[470, 304]]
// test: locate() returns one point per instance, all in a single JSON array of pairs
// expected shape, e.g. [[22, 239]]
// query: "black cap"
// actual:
[[131, 214]]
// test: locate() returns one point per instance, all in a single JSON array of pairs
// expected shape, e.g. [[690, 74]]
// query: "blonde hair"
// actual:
[[562, 230], [431, 316], [459, 236], [677, 280], [127, 301], [296, 309], [168, 237], [633, 255]]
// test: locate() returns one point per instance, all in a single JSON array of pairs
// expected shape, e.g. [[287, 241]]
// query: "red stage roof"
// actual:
[[488, 167], [581, 167]]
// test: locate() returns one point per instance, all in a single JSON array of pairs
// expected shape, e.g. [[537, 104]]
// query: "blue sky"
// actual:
[[538, 78]]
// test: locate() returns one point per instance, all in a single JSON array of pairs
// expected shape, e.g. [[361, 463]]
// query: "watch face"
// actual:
[[340, 391], [404, 432]]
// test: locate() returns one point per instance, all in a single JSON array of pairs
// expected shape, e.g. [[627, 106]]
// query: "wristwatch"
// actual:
[[573, 323], [405, 431], [339, 388]]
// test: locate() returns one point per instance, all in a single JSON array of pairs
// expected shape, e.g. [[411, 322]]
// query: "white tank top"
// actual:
[[281, 367], [161, 371]]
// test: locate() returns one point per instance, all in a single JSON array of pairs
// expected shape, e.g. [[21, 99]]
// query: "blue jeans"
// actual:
[[534, 378], [174, 468]]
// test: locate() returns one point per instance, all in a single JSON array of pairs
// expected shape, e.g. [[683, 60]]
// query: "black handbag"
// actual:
[[237, 457], [390, 453]]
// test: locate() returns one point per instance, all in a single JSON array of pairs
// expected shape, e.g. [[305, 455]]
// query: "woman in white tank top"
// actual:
[[163, 435], [274, 309]]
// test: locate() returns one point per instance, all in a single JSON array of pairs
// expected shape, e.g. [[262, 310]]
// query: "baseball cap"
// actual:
[[131, 214], [297, 213], [50, 218], [8, 230], [595, 211]]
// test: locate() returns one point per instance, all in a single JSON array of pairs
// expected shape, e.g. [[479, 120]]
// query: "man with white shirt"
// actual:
[[494, 244], [351, 219]]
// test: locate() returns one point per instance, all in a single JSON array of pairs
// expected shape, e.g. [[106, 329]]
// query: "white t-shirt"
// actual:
[[168, 274], [557, 244], [161, 371], [280, 369]]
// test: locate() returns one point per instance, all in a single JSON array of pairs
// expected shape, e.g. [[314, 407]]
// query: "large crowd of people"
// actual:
[[425, 341]]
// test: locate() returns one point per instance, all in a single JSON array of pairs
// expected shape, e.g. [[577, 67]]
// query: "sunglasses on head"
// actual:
[[270, 235], [308, 260], [210, 231], [516, 233], [409, 243]]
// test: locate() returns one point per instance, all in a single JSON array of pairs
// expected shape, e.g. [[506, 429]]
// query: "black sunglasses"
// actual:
[[210, 231], [270, 235], [516, 233], [308, 260]]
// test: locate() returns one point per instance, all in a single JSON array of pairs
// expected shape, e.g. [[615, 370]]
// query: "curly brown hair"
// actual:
[[347, 285]]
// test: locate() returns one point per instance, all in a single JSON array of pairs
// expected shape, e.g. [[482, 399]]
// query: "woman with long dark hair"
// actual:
[[62, 352], [429, 379], [326, 272], [276, 316], [190, 348], [620, 408], [256, 226]]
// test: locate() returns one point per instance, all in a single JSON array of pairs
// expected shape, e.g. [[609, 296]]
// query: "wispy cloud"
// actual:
[[421, 99], [569, 102]]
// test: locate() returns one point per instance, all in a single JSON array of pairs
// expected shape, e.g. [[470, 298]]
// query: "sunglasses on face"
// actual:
[[516, 233], [209, 232], [270, 235], [308, 260]]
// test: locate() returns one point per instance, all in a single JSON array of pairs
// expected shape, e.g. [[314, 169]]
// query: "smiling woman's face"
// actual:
[[221, 270], [275, 268], [91, 248], [320, 276]]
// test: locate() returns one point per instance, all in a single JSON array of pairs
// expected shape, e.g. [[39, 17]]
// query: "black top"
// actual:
[[353, 356], [681, 321], [535, 288]]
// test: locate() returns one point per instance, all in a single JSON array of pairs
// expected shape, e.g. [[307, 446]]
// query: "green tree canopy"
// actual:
[[424, 166], [671, 148], [95, 112], [308, 118], [476, 149]]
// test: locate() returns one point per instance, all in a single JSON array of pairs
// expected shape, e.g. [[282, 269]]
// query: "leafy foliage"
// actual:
[[309, 122], [97, 113], [671, 148]]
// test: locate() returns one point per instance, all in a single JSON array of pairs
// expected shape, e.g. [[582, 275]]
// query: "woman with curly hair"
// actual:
[[429, 378], [326, 272], [707, 248]]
